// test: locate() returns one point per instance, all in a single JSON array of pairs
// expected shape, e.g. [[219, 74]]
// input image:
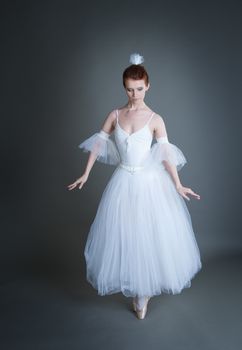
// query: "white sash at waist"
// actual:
[[131, 168]]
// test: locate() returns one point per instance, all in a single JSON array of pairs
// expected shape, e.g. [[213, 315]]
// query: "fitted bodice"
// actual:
[[133, 148]]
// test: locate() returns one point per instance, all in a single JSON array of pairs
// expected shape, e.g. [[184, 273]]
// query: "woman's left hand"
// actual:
[[183, 191]]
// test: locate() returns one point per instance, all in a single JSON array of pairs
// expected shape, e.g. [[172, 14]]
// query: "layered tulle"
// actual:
[[163, 150], [106, 150], [141, 241], [103, 147]]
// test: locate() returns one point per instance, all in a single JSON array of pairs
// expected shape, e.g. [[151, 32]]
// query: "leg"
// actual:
[[140, 304], [141, 301]]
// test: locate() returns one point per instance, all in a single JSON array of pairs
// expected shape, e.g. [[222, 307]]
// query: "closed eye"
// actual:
[[140, 89]]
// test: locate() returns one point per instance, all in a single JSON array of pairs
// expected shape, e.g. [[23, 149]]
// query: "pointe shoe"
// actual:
[[142, 312], [134, 305]]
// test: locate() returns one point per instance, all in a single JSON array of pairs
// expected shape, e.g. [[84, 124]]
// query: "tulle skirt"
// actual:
[[141, 241]]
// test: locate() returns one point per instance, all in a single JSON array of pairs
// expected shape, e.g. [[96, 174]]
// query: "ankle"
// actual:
[[141, 302]]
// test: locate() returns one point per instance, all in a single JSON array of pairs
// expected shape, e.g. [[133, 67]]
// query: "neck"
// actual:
[[136, 104]]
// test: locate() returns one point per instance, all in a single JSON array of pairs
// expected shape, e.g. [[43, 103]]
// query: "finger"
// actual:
[[183, 195], [190, 191], [71, 185], [195, 195], [187, 197], [81, 185]]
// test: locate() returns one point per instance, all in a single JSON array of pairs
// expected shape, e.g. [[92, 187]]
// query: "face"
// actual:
[[136, 89]]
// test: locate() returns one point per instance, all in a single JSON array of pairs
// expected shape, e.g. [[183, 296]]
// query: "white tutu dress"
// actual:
[[141, 242]]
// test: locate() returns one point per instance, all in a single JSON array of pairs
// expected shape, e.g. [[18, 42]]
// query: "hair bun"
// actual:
[[135, 58]]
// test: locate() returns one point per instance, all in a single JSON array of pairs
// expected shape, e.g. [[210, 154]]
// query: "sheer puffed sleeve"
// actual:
[[164, 150], [101, 145]]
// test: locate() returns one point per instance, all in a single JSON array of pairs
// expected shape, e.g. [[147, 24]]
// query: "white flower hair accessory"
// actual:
[[135, 58]]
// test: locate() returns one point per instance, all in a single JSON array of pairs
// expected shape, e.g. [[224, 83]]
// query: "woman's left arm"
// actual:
[[161, 134], [184, 191]]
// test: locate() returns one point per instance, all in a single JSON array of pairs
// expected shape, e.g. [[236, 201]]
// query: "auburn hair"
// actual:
[[136, 72]]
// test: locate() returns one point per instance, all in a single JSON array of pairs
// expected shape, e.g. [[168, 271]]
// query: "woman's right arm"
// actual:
[[82, 179], [106, 129]]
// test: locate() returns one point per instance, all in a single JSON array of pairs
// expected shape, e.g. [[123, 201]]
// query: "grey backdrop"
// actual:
[[62, 65]]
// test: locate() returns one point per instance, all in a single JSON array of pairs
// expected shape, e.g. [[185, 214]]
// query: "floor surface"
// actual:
[[66, 313]]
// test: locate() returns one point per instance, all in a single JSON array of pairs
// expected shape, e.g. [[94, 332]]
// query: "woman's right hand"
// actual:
[[80, 181]]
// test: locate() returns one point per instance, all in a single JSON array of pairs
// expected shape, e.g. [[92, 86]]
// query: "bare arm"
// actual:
[[107, 126], [160, 131]]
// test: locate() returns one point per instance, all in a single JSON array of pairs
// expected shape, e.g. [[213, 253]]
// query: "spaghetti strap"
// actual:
[[152, 114], [117, 114]]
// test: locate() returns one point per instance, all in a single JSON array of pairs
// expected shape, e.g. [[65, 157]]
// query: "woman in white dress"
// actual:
[[141, 242]]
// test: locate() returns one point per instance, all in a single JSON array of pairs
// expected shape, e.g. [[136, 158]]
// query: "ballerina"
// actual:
[[141, 241]]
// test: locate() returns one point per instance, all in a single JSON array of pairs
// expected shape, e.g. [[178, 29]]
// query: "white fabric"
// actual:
[[163, 150], [141, 241], [101, 145], [131, 168], [140, 302]]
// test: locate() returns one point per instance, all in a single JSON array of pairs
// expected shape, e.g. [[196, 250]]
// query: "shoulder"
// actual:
[[157, 120], [109, 122], [158, 124], [111, 115]]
